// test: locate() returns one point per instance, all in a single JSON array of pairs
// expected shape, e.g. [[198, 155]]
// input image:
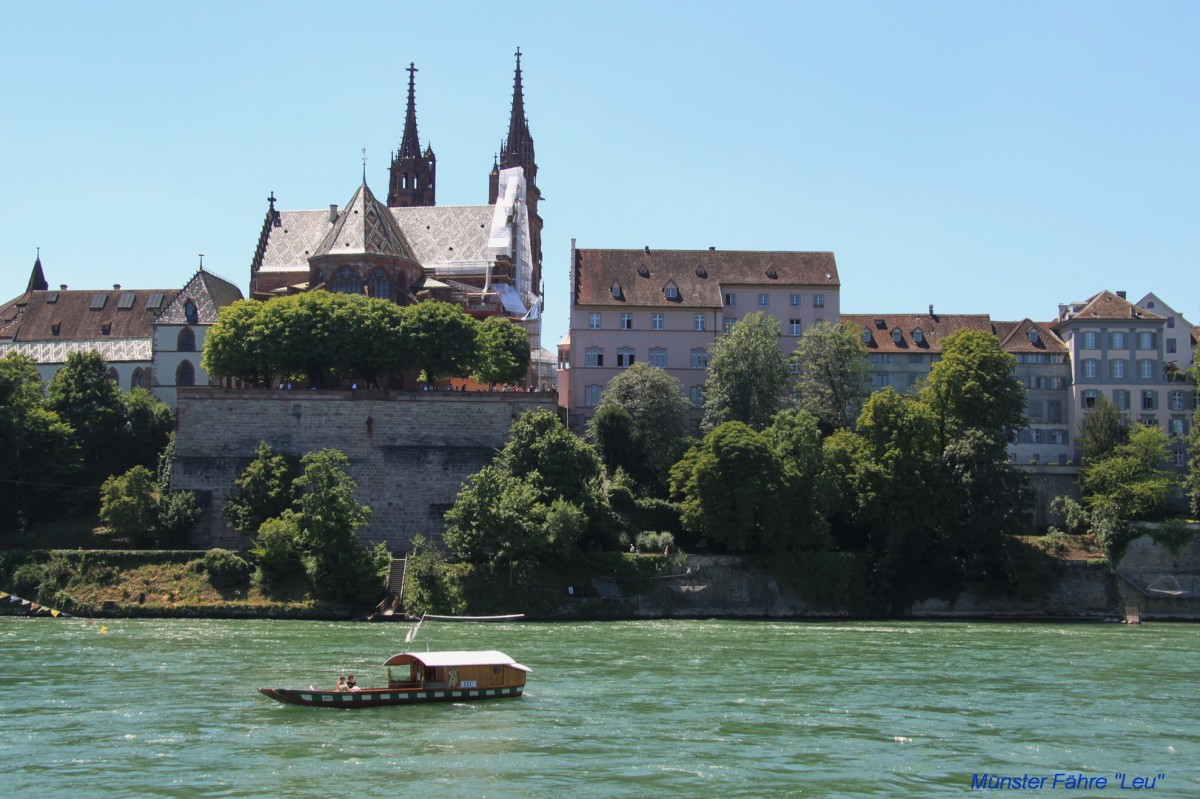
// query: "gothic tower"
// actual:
[[517, 150], [412, 172]]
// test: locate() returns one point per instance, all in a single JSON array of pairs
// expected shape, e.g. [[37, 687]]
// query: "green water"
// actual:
[[627, 709]]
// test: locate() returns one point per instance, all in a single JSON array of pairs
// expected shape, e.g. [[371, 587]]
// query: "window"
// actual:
[[594, 356], [916, 357], [671, 291], [1089, 367], [1177, 400], [616, 290], [1089, 340], [880, 379], [1054, 411], [186, 341], [696, 394], [1171, 346], [658, 357], [591, 395], [594, 320], [1149, 400], [379, 285], [793, 327], [190, 314], [1116, 369], [1121, 399], [698, 321], [793, 366], [656, 320], [1089, 398], [1180, 459], [919, 336], [818, 300], [1035, 409], [1033, 335], [1178, 428], [624, 357], [185, 375], [138, 379], [866, 336], [626, 320], [880, 357], [1170, 322], [897, 336], [764, 300], [346, 281], [1116, 340], [1146, 341], [794, 300], [1146, 369], [699, 358], [731, 299], [729, 323]]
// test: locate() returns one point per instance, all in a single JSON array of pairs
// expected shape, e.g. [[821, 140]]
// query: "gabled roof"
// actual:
[[1107, 307], [365, 227], [698, 275], [1018, 338], [209, 293], [934, 329]]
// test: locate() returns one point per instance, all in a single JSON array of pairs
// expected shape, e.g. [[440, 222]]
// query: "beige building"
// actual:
[[666, 307]]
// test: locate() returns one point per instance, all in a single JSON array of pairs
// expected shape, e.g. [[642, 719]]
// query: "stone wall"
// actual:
[[409, 452], [1159, 582], [1046, 483]]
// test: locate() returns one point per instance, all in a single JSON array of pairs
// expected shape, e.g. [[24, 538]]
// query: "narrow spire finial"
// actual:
[[364, 159], [201, 262]]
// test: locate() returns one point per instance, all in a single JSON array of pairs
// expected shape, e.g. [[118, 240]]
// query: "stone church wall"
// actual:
[[409, 452]]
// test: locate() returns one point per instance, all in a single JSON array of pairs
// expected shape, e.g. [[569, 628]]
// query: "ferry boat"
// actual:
[[419, 677]]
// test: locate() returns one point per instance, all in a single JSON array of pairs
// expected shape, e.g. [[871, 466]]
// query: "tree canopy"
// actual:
[[831, 367], [656, 411], [747, 374], [501, 353]]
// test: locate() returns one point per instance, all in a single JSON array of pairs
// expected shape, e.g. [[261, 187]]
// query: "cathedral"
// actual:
[[485, 258]]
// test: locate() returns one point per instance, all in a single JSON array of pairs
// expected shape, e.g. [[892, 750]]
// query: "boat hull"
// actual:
[[378, 697]]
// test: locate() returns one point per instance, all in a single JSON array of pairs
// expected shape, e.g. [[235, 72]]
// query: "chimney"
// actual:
[[647, 249], [1121, 294], [712, 249], [333, 212], [931, 309], [116, 286], [62, 286]]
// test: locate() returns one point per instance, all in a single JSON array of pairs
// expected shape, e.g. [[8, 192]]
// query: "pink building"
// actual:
[[667, 306]]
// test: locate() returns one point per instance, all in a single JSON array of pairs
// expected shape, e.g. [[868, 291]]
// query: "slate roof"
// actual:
[[365, 227], [697, 274], [210, 294], [435, 234]]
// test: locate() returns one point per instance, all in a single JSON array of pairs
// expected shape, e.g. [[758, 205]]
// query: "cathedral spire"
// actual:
[[412, 172], [517, 151]]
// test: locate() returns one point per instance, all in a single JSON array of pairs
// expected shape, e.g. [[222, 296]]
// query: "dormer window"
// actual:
[[189, 312], [897, 336], [866, 335], [1033, 336], [616, 290], [55, 329], [105, 328], [671, 291], [919, 336]]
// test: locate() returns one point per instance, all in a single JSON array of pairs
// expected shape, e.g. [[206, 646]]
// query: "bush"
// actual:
[[227, 569], [650, 542]]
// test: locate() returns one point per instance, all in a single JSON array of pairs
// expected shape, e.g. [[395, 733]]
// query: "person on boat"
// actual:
[[341, 686], [351, 685]]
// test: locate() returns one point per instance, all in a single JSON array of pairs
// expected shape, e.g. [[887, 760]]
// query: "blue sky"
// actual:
[[986, 157]]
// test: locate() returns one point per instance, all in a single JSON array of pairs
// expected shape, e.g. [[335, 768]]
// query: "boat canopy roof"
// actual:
[[484, 657]]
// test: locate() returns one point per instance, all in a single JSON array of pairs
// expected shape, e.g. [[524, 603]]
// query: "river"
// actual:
[[168, 708]]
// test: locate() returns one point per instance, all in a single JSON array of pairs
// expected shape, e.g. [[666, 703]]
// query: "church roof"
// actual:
[[435, 234], [59, 316], [209, 293], [698, 275], [365, 227]]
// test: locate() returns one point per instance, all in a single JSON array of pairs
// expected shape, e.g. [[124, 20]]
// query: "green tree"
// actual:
[[279, 554], [497, 519], [1102, 430], [973, 387], [747, 374], [177, 510], [502, 352], [339, 564], [264, 489], [38, 451], [611, 429], [732, 489], [657, 410], [83, 396], [832, 371], [551, 458], [795, 436], [1192, 480], [1131, 483], [147, 427], [441, 338], [129, 505], [234, 346]]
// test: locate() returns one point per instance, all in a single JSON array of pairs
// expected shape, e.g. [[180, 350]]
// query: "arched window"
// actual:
[[1033, 335], [185, 375], [138, 379], [379, 285], [346, 281], [616, 290], [919, 336], [866, 336], [113, 376], [189, 312], [897, 336], [186, 341]]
